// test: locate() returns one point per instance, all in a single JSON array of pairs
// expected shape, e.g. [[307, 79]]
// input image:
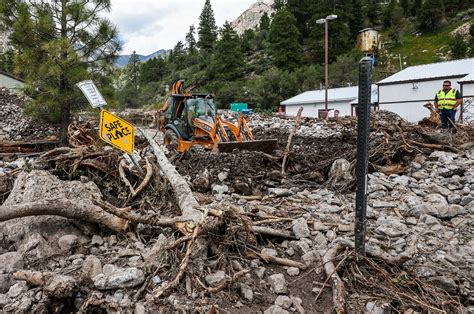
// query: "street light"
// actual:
[[325, 22]]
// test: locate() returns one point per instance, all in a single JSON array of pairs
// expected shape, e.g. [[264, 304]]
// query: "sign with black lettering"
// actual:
[[116, 132], [92, 94]]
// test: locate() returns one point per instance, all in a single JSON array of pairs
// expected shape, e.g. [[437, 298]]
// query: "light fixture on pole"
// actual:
[[325, 22]]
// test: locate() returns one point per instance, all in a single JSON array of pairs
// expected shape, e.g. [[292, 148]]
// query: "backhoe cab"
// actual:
[[192, 119]]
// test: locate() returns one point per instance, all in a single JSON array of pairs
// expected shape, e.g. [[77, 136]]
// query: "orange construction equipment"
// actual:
[[191, 119]]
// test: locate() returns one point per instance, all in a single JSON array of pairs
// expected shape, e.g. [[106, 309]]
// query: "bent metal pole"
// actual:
[[363, 125]]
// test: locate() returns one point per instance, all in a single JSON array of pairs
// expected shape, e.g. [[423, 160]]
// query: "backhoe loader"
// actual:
[[190, 119]]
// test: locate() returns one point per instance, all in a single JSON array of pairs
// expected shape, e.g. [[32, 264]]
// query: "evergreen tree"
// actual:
[[7, 61], [207, 29], [59, 43], [128, 95], [458, 47], [373, 12], [356, 19], [396, 24], [248, 38], [431, 15], [264, 22], [190, 40], [406, 7], [284, 46], [228, 58], [133, 69], [416, 7], [179, 55], [303, 11], [153, 70]]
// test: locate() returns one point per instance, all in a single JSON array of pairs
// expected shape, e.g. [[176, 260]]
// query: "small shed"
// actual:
[[9, 81], [344, 99], [407, 91]]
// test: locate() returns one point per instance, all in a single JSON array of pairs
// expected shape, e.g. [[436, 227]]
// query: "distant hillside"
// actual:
[[250, 19], [122, 60]]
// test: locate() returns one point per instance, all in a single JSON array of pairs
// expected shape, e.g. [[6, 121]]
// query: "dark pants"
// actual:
[[446, 115]]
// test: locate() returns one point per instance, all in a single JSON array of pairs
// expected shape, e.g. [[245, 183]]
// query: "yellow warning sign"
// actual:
[[116, 132]]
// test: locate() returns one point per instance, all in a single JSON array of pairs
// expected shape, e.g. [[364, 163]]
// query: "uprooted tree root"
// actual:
[[381, 277]]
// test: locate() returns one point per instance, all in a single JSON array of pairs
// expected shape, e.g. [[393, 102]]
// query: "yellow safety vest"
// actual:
[[446, 100]]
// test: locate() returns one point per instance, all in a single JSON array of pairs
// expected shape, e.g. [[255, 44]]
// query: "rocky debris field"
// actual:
[[263, 242], [14, 124]]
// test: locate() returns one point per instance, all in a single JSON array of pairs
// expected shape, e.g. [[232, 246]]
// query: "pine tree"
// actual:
[[356, 19], [207, 29], [406, 7], [431, 15], [190, 40], [458, 47], [248, 38], [7, 61], [416, 7], [284, 45], [228, 58], [373, 12], [132, 71], [179, 55], [59, 43], [128, 95], [264, 22], [396, 23]]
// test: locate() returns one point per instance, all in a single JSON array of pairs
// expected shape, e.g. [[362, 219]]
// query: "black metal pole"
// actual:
[[363, 126]]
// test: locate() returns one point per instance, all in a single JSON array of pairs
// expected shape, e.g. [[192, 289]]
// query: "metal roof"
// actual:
[[467, 78], [349, 94], [455, 68]]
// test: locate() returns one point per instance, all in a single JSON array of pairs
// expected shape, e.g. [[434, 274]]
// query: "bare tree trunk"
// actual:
[[64, 208], [183, 194]]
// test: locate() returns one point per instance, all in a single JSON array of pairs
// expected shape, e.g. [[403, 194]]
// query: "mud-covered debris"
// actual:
[[11, 261], [116, 278], [278, 283]]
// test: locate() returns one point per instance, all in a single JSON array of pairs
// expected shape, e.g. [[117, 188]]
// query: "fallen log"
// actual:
[[183, 194], [65, 208], [338, 289]]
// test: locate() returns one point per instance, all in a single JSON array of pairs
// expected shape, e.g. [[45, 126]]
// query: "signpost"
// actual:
[[116, 132], [363, 127], [113, 129], [92, 94]]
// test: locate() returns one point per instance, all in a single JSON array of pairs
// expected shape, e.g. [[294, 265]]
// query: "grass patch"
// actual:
[[426, 48]]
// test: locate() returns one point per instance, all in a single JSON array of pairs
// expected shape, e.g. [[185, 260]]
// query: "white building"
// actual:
[[467, 90], [10, 82], [344, 99], [407, 91]]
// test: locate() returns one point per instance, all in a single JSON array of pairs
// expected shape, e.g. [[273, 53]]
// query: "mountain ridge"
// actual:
[[122, 60]]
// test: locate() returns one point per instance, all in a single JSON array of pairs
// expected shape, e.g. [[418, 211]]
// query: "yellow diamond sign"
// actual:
[[116, 132]]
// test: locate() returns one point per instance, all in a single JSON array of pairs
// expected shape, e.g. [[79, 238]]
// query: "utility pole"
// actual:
[[325, 21]]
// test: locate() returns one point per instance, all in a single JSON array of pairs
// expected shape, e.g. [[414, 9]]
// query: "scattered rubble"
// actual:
[[259, 241], [14, 124]]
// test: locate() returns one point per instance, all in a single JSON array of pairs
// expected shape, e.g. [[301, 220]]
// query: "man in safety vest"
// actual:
[[446, 103]]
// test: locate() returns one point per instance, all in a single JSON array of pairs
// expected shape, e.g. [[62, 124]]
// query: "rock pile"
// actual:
[[265, 252], [14, 125]]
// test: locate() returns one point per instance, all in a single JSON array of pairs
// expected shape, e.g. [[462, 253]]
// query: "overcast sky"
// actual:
[[147, 26]]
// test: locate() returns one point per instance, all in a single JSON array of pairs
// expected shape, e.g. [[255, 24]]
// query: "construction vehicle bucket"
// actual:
[[266, 146]]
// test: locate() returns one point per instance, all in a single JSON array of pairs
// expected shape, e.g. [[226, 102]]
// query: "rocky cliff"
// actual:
[[251, 17]]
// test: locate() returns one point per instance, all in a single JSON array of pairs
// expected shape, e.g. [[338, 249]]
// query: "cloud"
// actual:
[[147, 26]]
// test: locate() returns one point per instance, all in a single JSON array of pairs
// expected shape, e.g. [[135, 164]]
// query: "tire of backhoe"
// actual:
[[170, 138]]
